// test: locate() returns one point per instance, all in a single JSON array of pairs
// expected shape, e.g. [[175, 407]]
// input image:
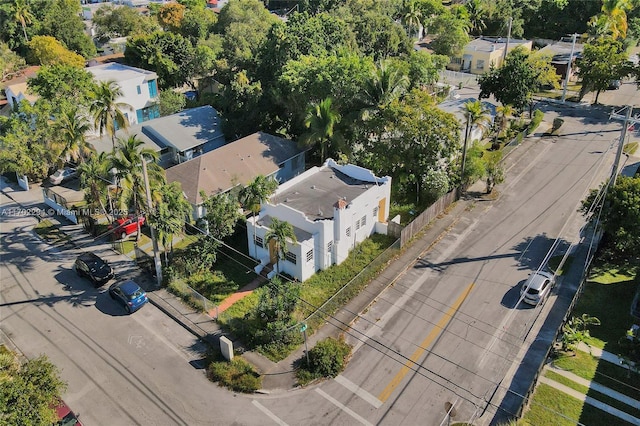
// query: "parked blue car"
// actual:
[[128, 294]]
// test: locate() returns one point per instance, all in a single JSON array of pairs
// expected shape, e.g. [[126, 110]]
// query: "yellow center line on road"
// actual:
[[393, 384]]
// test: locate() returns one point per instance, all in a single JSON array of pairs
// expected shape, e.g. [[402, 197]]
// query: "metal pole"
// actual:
[[306, 349], [569, 64], [623, 135], [464, 149], [156, 254], [506, 47]]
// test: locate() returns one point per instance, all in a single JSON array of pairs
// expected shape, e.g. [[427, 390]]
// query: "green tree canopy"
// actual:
[[303, 34], [602, 60], [114, 22], [515, 82], [376, 33], [23, 140], [62, 21], [10, 62], [46, 50], [244, 25], [410, 137], [171, 102], [280, 232], [63, 84], [170, 55], [222, 212], [620, 216], [29, 392]]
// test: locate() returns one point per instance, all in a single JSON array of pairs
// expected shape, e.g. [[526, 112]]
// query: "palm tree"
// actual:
[[385, 85], [107, 113], [22, 13], [170, 215], [503, 113], [127, 160], [93, 173], [321, 120], [477, 13], [253, 195], [71, 128], [476, 115], [411, 16], [280, 232]]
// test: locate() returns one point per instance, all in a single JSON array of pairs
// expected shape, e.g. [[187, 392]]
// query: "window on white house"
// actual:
[[330, 246], [348, 231], [363, 221], [357, 224], [375, 211], [259, 241], [291, 257], [309, 255], [139, 90]]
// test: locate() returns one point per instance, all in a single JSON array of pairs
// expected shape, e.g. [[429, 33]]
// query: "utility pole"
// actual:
[[626, 121], [569, 64], [506, 47], [464, 149], [156, 252]]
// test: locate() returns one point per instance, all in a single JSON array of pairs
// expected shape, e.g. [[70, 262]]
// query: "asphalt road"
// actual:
[[139, 369]]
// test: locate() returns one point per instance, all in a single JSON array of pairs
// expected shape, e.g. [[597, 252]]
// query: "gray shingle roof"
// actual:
[[237, 162]]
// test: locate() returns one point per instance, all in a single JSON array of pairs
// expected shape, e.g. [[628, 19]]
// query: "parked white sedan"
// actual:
[[63, 175]]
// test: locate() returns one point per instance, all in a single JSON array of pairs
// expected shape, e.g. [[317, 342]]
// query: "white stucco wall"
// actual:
[[328, 238]]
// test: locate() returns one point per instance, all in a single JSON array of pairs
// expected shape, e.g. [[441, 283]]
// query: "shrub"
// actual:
[[535, 121], [237, 375], [327, 359]]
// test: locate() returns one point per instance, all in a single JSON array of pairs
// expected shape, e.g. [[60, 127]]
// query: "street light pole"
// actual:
[[156, 251], [566, 78]]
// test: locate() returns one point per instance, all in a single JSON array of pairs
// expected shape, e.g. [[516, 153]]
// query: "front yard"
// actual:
[[607, 296]]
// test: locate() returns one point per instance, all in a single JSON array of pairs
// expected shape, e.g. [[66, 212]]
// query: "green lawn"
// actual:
[[607, 295], [551, 407], [593, 394], [617, 287]]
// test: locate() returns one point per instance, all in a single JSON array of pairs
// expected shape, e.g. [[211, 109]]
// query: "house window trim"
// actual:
[[309, 255], [258, 241], [348, 231], [291, 257]]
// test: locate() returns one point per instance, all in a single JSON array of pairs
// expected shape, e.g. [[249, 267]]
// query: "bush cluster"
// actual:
[[237, 375], [327, 359], [535, 121]]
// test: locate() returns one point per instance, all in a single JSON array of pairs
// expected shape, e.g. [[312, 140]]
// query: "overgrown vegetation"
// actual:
[[327, 359], [237, 374], [29, 390], [242, 319]]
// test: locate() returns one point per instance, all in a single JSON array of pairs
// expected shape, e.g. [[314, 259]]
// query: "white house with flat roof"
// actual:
[[332, 208], [139, 89]]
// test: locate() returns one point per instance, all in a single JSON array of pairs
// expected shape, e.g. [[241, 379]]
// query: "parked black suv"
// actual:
[[93, 267]]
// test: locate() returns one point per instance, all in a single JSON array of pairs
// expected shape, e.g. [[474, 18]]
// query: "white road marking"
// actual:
[[343, 407], [359, 391], [268, 413]]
